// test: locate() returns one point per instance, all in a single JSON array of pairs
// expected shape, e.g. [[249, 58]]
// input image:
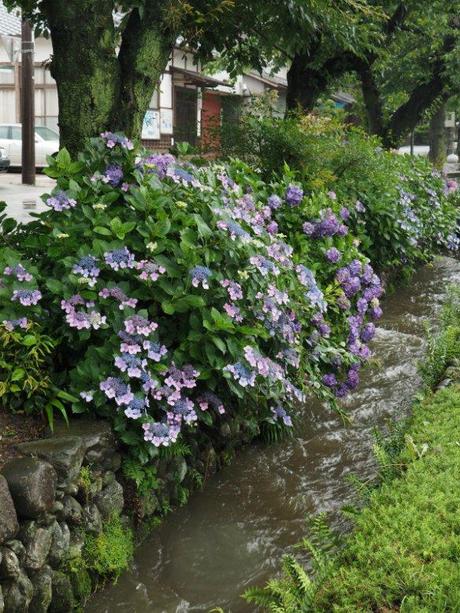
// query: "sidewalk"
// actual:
[[21, 199]]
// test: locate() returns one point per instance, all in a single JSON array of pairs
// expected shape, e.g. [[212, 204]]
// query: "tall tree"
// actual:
[[411, 56], [108, 56]]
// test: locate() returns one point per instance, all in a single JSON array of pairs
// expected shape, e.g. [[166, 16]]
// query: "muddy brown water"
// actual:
[[232, 535]]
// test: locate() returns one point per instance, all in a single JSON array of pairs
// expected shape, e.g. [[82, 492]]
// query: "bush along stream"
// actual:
[[195, 309], [403, 552]]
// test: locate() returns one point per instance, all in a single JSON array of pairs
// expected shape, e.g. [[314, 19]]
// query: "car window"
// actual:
[[46, 133], [16, 133], [4, 132]]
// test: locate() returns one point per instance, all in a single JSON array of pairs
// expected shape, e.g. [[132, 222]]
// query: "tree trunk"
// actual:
[[372, 100], [143, 56], [97, 89], [438, 143], [84, 66], [305, 84]]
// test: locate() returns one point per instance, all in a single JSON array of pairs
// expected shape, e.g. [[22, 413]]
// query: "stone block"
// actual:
[[8, 517], [32, 484]]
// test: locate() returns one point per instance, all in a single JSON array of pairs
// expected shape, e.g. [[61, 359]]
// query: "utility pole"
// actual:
[[28, 104]]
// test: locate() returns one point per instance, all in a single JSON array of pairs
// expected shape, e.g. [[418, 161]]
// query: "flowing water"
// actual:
[[233, 534]]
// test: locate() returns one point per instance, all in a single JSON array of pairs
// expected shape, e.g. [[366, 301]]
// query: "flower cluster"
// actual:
[[19, 272], [84, 318], [113, 140], [60, 201]]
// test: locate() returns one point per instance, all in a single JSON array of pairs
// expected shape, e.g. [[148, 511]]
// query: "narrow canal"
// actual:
[[233, 534]]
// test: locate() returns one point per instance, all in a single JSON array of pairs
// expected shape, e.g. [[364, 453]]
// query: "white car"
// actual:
[[46, 143], [422, 150]]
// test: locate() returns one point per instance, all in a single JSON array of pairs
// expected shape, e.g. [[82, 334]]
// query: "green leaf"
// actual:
[[219, 343], [29, 340], [102, 230], [54, 286], [9, 225], [63, 159], [187, 302], [168, 307], [18, 374]]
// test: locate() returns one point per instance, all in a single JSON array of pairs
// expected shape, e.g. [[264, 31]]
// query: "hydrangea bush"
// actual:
[[400, 208], [182, 295]]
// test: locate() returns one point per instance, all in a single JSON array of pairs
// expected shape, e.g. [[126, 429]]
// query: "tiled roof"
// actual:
[[10, 23]]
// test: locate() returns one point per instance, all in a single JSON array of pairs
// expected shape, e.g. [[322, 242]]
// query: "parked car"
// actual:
[[422, 150], [46, 143], [4, 160]]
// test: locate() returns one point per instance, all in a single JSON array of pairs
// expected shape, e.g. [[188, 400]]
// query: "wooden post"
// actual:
[[28, 105]]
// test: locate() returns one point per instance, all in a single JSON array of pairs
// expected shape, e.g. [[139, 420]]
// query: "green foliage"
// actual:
[[169, 220], [407, 214], [110, 552], [145, 477], [444, 346], [403, 553]]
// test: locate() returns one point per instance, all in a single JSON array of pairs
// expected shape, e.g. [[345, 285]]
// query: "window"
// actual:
[[4, 132], [16, 133], [46, 133]]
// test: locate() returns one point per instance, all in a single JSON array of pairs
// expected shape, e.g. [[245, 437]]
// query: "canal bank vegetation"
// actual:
[[192, 307], [404, 551]]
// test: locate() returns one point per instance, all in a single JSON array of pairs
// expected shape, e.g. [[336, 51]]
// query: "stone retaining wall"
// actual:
[[66, 488], [45, 509]]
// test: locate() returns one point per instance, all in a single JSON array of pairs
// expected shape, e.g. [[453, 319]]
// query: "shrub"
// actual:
[[405, 209], [176, 300]]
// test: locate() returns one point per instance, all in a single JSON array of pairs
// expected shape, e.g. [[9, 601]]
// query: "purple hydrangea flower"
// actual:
[[113, 175], [137, 407], [113, 387], [368, 333], [155, 351], [234, 229], [280, 414], [136, 324], [233, 312], [160, 434], [293, 195], [233, 288], [87, 268], [150, 271], [120, 259], [185, 410], [60, 201], [12, 324], [27, 297], [131, 364], [263, 265], [19, 272], [244, 376], [333, 255], [359, 207], [118, 294], [330, 380], [274, 202], [209, 399], [181, 378], [200, 276], [112, 140], [159, 163]]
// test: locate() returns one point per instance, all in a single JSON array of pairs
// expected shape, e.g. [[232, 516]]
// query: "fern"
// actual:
[[173, 451]]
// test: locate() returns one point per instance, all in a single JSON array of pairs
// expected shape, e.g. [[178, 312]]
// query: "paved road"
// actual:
[[23, 199]]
